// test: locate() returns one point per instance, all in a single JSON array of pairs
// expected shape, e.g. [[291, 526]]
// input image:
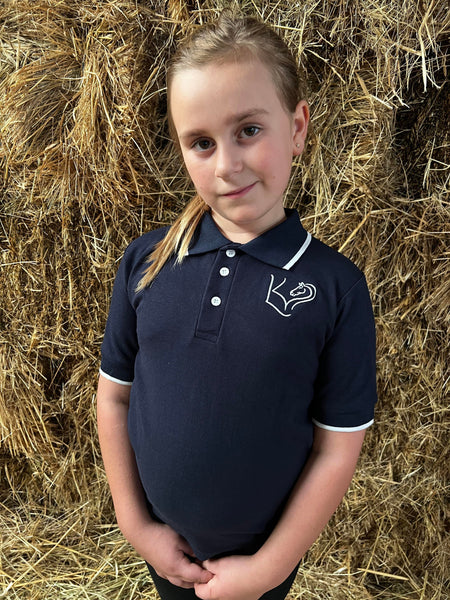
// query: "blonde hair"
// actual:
[[230, 38]]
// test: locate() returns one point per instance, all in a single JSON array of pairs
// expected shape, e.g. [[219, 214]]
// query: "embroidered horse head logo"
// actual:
[[303, 292], [300, 289]]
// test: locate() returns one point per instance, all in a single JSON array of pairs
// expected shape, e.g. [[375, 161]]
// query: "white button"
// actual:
[[230, 252], [215, 300], [224, 271]]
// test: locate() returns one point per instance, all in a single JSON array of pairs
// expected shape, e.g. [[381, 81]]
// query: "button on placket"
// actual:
[[216, 294]]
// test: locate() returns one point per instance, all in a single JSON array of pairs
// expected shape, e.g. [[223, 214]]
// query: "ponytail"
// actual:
[[176, 241]]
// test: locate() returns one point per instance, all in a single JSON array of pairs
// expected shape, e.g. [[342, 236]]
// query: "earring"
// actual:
[[298, 145]]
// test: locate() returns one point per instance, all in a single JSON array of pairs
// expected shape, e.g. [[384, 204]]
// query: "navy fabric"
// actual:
[[234, 355]]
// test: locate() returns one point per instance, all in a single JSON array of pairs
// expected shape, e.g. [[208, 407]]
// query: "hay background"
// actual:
[[86, 166]]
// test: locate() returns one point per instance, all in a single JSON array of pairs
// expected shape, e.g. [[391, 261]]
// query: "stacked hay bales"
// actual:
[[86, 166]]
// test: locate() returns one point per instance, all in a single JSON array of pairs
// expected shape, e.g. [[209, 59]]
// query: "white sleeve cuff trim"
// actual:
[[332, 428], [106, 376]]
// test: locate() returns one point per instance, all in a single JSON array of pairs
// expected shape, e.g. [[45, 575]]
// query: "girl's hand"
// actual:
[[235, 578], [168, 553]]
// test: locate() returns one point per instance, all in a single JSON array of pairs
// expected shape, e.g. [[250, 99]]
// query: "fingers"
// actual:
[[176, 580], [185, 547], [187, 585], [203, 591], [186, 574], [195, 573]]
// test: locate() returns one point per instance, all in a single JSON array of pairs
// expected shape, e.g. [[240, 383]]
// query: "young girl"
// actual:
[[238, 363]]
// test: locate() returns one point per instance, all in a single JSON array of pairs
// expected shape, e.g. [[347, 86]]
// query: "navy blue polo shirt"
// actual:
[[232, 357]]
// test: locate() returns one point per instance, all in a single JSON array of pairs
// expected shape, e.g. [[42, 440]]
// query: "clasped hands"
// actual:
[[229, 578], [233, 578]]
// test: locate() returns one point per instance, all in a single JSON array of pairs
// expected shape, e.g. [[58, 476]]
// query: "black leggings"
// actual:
[[168, 591]]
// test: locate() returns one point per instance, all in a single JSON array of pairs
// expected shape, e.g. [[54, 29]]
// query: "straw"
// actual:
[[86, 166]]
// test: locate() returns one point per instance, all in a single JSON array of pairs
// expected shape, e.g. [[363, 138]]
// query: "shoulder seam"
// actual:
[[362, 278]]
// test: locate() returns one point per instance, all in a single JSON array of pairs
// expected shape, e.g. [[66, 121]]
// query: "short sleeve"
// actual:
[[120, 345], [345, 387]]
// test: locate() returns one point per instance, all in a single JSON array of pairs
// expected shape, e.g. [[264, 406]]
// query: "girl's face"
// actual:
[[237, 141]]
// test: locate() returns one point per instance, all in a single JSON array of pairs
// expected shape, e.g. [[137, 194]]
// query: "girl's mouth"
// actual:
[[238, 193]]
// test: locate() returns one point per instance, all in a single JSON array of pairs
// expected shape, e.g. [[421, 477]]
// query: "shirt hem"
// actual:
[[106, 376], [345, 429]]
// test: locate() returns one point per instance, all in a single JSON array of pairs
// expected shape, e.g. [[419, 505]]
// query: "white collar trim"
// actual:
[[297, 256]]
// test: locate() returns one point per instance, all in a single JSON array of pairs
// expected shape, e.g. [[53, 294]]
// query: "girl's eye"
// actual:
[[250, 131], [202, 145]]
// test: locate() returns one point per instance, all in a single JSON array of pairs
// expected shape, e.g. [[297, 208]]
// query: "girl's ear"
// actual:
[[301, 120]]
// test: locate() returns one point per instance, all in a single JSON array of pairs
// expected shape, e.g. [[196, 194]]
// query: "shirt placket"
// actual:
[[217, 293]]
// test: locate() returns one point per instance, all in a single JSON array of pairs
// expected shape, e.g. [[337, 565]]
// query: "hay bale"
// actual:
[[85, 166]]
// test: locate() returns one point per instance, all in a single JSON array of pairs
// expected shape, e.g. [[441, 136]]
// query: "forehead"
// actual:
[[221, 90]]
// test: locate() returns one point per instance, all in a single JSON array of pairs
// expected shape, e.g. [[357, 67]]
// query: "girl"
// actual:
[[238, 363]]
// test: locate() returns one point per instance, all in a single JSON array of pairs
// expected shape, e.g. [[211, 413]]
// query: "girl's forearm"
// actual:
[[118, 456], [158, 544], [315, 497]]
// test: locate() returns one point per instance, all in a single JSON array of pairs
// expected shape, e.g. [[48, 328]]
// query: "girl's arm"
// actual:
[[318, 492], [316, 495], [158, 544]]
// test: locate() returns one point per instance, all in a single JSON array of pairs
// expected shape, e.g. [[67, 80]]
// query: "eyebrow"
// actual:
[[237, 118]]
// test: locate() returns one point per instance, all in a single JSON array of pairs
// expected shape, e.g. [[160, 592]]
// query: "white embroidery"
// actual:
[[303, 292]]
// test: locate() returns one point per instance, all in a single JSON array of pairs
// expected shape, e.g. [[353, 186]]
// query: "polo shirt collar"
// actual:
[[207, 237], [282, 246]]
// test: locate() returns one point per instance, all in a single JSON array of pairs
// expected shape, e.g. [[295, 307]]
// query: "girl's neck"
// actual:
[[242, 233]]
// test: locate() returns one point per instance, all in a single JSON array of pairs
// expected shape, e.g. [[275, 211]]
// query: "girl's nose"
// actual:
[[228, 161]]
